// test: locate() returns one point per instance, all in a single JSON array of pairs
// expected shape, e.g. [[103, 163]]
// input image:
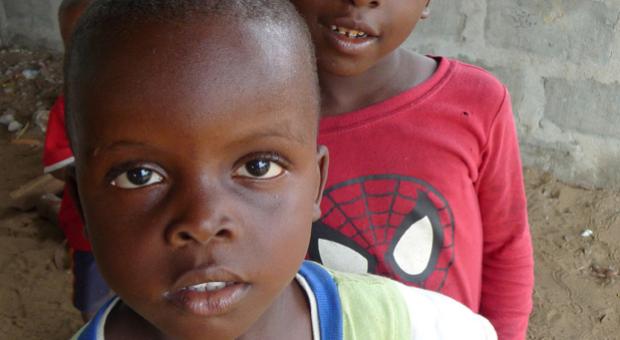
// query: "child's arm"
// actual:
[[508, 264], [436, 316]]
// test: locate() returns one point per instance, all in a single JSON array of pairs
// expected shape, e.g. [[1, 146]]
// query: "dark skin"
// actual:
[[358, 72], [190, 171]]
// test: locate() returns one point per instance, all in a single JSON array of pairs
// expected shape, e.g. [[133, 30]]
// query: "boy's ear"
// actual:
[[427, 11], [72, 189], [322, 155]]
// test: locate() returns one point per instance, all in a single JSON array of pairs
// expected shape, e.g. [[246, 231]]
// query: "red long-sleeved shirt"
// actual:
[[427, 188]]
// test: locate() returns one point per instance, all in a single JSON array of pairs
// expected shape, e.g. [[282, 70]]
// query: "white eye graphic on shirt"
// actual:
[[414, 249], [340, 257]]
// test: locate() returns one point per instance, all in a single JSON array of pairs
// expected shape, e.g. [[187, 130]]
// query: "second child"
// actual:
[[428, 186]]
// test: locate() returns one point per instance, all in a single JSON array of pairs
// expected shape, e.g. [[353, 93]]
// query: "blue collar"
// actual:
[[327, 299]]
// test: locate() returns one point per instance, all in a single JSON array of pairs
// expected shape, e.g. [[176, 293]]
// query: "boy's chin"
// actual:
[[341, 69]]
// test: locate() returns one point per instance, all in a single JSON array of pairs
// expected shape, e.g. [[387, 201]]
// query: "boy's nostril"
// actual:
[[224, 233], [202, 236], [185, 236], [374, 4]]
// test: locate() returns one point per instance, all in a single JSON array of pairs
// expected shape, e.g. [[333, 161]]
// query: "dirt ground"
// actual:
[[577, 292]]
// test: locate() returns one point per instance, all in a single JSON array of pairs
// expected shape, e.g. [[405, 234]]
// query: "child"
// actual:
[[427, 188], [89, 289], [200, 177]]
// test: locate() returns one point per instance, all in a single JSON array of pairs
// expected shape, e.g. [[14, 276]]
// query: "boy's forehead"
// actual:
[[207, 66], [214, 52]]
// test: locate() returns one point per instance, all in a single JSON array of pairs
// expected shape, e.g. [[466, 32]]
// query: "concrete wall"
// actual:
[[31, 23], [559, 58], [3, 32]]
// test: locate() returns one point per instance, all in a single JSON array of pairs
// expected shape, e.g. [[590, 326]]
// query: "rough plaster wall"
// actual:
[[559, 60], [3, 32], [30, 23]]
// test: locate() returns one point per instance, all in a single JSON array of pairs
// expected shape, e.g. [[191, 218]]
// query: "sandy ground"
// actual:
[[577, 292]]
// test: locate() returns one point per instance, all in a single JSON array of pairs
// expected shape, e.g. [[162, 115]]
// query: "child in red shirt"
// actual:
[[427, 185], [90, 290]]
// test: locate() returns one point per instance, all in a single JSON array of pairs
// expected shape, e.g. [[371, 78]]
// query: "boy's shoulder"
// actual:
[[464, 83], [377, 305], [463, 71], [373, 307]]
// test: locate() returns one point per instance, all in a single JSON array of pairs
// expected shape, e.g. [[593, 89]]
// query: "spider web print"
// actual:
[[376, 211]]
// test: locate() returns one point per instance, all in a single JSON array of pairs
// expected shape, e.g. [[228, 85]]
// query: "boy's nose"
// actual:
[[201, 220], [365, 3], [198, 232]]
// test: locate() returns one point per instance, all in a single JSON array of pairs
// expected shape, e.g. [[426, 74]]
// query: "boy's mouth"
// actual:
[[209, 286], [208, 292], [350, 33], [349, 37]]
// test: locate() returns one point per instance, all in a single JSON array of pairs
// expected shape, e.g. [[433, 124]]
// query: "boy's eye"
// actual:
[[260, 169], [137, 178]]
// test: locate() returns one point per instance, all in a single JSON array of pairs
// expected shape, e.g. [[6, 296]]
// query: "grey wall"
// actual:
[[559, 58], [31, 23]]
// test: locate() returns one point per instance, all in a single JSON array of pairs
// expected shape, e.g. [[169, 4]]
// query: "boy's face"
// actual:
[[197, 170], [352, 36]]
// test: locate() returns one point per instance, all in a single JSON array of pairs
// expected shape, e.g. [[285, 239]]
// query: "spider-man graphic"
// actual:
[[389, 225]]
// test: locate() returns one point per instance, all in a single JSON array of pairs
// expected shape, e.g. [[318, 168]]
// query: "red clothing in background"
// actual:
[[57, 155], [427, 188]]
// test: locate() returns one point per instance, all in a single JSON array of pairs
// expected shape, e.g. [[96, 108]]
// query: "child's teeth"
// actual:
[[207, 287], [348, 32]]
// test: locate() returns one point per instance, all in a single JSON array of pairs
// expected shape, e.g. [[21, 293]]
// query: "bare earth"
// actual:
[[577, 292]]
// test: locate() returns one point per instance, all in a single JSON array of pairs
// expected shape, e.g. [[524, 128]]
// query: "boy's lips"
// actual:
[[207, 292], [353, 24], [349, 36]]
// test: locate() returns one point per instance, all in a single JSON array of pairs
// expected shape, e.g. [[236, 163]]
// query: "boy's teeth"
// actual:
[[208, 287], [348, 32]]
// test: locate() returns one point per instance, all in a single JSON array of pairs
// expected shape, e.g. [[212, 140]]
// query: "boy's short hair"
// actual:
[[68, 5], [106, 19], [68, 13]]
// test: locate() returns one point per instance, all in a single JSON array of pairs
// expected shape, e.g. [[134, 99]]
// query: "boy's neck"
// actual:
[[394, 74], [288, 317]]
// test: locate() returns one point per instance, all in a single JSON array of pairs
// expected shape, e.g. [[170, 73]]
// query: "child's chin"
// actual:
[[341, 68]]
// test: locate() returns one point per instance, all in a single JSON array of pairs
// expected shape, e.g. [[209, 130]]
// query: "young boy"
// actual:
[[89, 289], [200, 177], [427, 188]]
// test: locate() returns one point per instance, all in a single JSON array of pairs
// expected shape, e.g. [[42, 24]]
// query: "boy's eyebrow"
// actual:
[[116, 145], [122, 144], [281, 130]]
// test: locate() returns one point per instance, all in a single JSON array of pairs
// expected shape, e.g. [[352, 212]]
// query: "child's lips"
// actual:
[[353, 24], [349, 36], [347, 44], [209, 303], [208, 292]]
